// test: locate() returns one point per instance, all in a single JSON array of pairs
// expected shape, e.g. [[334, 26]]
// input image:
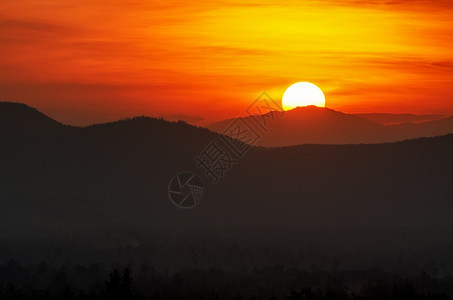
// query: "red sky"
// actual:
[[93, 61]]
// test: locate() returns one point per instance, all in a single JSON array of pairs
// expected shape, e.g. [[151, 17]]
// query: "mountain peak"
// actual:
[[313, 109], [20, 115], [20, 121]]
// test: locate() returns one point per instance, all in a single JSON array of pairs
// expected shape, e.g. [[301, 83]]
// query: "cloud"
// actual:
[[448, 65], [23, 31], [418, 5], [225, 50], [12, 24]]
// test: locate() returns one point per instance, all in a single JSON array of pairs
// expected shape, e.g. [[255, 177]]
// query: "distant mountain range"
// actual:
[[395, 119], [314, 125]]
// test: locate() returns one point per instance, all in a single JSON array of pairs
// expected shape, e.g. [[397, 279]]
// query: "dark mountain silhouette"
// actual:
[[315, 125], [64, 180], [19, 119], [18, 115], [395, 119]]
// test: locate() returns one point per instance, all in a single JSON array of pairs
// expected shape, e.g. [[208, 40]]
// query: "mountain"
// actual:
[[315, 125], [21, 115], [431, 128], [20, 118], [114, 177], [395, 119]]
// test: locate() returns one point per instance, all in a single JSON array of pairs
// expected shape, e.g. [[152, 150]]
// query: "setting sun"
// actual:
[[303, 94]]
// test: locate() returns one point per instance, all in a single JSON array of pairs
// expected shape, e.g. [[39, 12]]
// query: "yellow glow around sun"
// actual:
[[303, 94]]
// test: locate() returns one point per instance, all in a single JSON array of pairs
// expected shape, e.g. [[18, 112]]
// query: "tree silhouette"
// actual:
[[119, 286]]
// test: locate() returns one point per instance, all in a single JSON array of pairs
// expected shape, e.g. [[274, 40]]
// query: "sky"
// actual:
[[84, 62]]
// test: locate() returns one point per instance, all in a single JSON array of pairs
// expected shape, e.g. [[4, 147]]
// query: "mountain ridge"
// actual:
[[20, 119], [315, 125]]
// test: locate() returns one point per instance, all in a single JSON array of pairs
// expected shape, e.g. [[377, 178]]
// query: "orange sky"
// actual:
[[92, 61]]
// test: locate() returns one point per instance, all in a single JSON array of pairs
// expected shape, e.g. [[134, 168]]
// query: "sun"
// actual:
[[303, 94]]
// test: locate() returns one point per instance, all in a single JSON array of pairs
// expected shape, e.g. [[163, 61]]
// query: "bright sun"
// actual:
[[303, 94]]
